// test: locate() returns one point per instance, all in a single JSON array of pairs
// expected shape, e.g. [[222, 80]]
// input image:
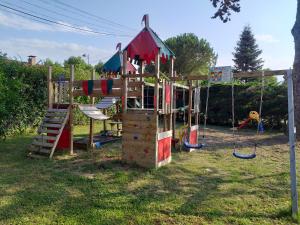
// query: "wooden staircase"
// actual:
[[49, 133]]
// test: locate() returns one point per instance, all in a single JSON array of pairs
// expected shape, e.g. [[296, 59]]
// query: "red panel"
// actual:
[[164, 148], [64, 140], [193, 137], [130, 68], [85, 87], [104, 87], [168, 93]]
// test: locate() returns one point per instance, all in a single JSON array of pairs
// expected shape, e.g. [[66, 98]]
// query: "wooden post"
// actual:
[[55, 88], [156, 103], [91, 134], [60, 92], [125, 82], [142, 68], [104, 121], [190, 104], [197, 113], [292, 133], [71, 108], [156, 88], [50, 88], [174, 115], [146, 18], [163, 102], [171, 122]]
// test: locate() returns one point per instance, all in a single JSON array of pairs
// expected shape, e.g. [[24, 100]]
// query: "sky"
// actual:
[[119, 21]]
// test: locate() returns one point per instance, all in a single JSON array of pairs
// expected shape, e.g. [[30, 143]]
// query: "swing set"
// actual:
[[253, 115], [189, 133]]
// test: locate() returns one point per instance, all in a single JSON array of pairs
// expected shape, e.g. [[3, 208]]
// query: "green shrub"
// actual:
[[23, 95]]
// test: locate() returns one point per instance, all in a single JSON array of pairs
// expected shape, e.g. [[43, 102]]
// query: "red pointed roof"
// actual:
[[146, 45]]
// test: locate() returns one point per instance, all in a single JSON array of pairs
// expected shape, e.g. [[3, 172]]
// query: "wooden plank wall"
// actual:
[[139, 138]]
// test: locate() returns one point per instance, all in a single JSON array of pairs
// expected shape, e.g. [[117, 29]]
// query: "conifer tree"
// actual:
[[247, 54]]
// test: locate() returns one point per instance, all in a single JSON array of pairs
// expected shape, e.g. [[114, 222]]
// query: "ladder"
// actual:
[[49, 132]]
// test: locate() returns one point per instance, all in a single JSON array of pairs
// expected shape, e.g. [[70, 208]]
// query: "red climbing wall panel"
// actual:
[[164, 148], [193, 137], [64, 140]]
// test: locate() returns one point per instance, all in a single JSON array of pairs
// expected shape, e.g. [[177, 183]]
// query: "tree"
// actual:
[[75, 60], [193, 55], [98, 67], [224, 9], [246, 55], [83, 70]]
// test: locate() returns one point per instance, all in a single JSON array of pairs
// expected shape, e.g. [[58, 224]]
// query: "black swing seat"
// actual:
[[196, 146], [244, 156]]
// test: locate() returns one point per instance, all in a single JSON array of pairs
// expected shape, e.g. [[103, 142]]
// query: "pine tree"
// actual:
[[247, 54]]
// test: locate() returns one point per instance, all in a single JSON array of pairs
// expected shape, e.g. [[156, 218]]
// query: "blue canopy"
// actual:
[[114, 63]]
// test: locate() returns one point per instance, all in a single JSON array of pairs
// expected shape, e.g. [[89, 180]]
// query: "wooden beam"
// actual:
[[180, 86], [235, 75], [189, 77], [140, 75], [259, 74]]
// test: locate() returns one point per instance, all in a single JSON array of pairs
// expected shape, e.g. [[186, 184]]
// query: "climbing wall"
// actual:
[[139, 138]]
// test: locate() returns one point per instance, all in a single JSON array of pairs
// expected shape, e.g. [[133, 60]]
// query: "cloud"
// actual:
[[268, 38], [21, 23], [57, 51]]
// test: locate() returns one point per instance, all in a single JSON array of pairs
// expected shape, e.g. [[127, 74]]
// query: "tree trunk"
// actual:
[[296, 69]]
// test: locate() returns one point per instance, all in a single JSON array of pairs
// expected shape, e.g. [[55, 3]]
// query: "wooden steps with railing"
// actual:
[[49, 133]]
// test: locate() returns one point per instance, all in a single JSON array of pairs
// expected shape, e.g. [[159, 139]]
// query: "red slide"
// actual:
[[243, 124]]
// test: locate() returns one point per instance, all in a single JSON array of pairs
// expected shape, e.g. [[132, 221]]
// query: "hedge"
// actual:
[[23, 95], [247, 98]]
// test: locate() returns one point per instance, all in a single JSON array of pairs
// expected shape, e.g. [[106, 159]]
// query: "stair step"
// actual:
[[47, 131], [33, 155], [44, 151], [57, 110], [54, 120], [43, 144], [51, 125], [44, 137], [51, 114]]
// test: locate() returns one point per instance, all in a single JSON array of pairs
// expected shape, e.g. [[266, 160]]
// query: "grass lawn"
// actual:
[[204, 187]]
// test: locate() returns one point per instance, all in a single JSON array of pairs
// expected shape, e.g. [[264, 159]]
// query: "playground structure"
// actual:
[[145, 141], [141, 126]]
